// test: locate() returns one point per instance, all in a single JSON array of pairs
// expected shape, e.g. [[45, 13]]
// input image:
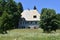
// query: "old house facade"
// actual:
[[30, 19]]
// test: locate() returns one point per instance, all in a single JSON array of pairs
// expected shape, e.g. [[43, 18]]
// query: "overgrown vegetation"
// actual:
[[30, 34], [58, 18], [49, 21], [10, 13]]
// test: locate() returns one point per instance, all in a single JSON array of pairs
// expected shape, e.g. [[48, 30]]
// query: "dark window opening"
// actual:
[[35, 16]]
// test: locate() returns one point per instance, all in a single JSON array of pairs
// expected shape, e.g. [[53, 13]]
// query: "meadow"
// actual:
[[30, 34]]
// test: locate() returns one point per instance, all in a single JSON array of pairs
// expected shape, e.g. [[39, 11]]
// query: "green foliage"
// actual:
[[10, 13], [48, 20], [58, 18]]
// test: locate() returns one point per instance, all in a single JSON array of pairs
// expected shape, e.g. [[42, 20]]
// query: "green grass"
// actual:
[[30, 34]]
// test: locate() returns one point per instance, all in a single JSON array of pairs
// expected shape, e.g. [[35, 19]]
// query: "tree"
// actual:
[[48, 20], [18, 14], [2, 6], [14, 10], [3, 22], [58, 18], [10, 15], [11, 6], [1, 10], [20, 7]]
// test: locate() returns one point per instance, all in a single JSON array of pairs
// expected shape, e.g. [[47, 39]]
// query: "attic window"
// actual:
[[34, 16]]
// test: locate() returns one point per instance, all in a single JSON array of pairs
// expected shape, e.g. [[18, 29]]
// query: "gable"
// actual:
[[31, 15]]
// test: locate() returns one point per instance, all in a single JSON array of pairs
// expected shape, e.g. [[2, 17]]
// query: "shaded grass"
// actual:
[[30, 34]]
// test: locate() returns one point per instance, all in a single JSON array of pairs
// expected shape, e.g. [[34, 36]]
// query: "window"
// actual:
[[35, 22], [34, 16]]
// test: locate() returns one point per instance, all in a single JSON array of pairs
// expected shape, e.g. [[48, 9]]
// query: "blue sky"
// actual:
[[52, 4]]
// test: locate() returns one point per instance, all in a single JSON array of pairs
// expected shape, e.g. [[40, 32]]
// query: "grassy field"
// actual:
[[30, 34]]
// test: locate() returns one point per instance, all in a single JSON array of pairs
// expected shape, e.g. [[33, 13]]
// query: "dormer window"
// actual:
[[34, 16]]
